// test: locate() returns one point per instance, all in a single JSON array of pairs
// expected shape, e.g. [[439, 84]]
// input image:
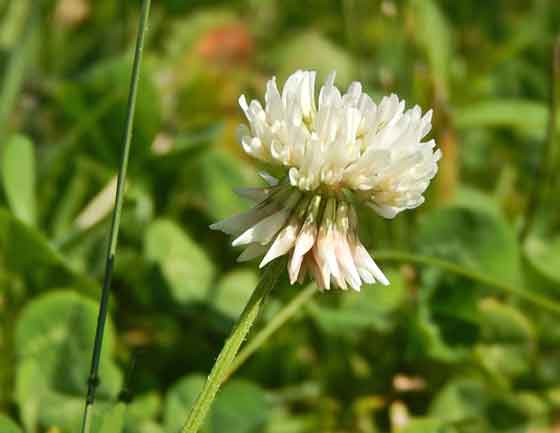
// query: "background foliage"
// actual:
[[437, 351]]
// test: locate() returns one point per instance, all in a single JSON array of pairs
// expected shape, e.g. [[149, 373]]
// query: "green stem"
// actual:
[[93, 380], [271, 327], [397, 256], [223, 364]]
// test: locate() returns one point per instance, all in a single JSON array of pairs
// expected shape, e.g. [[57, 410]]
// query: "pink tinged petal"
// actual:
[[306, 237], [264, 230], [302, 274], [342, 247], [364, 260], [346, 263], [326, 246], [322, 268], [283, 242], [252, 252], [295, 267], [366, 276], [315, 271]]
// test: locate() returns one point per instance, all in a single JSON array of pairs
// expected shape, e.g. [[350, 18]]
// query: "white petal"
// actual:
[[264, 230], [283, 242]]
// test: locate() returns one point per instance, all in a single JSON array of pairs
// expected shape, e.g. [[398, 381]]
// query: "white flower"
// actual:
[[340, 150]]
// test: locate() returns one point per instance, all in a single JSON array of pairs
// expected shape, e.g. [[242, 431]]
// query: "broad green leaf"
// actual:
[[241, 407], [544, 257], [18, 177], [478, 201], [508, 341], [425, 425], [26, 251], [113, 419], [211, 180], [53, 339], [459, 401], [8, 426], [233, 291], [311, 50], [142, 411], [31, 388], [517, 114], [475, 239], [483, 407], [184, 265], [505, 323], [179, 399], [371, 308], [425, 340]]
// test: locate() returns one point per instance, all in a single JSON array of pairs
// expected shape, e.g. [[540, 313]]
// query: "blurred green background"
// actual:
[[440, 350]]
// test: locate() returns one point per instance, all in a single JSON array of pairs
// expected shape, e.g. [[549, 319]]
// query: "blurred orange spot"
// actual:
[[228, 44], [72, 12]]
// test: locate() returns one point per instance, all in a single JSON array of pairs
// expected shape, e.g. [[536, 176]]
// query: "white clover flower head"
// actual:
[[338, 151]]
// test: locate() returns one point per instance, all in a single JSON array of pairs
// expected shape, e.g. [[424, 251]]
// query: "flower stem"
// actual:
[[93, 380], [271, 327], [223, 364]]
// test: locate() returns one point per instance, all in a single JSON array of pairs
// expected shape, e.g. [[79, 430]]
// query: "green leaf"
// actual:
[[517, 114], [18, 177], [8, 426], [425, 425], [233, 292], [459, 401], [26, 251], [179, 400], [53, 339], [425, 340], [184, 265], [473, 238], [311, 50], [142, 411], [508, 341], [543, 254], [371, 308], [113, 419], [211, 179], [240, 407], [30, 391]]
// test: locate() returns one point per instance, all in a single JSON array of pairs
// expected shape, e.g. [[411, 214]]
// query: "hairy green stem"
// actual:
[[224, 361], [93, 380], [398, 256], [271, 327]]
